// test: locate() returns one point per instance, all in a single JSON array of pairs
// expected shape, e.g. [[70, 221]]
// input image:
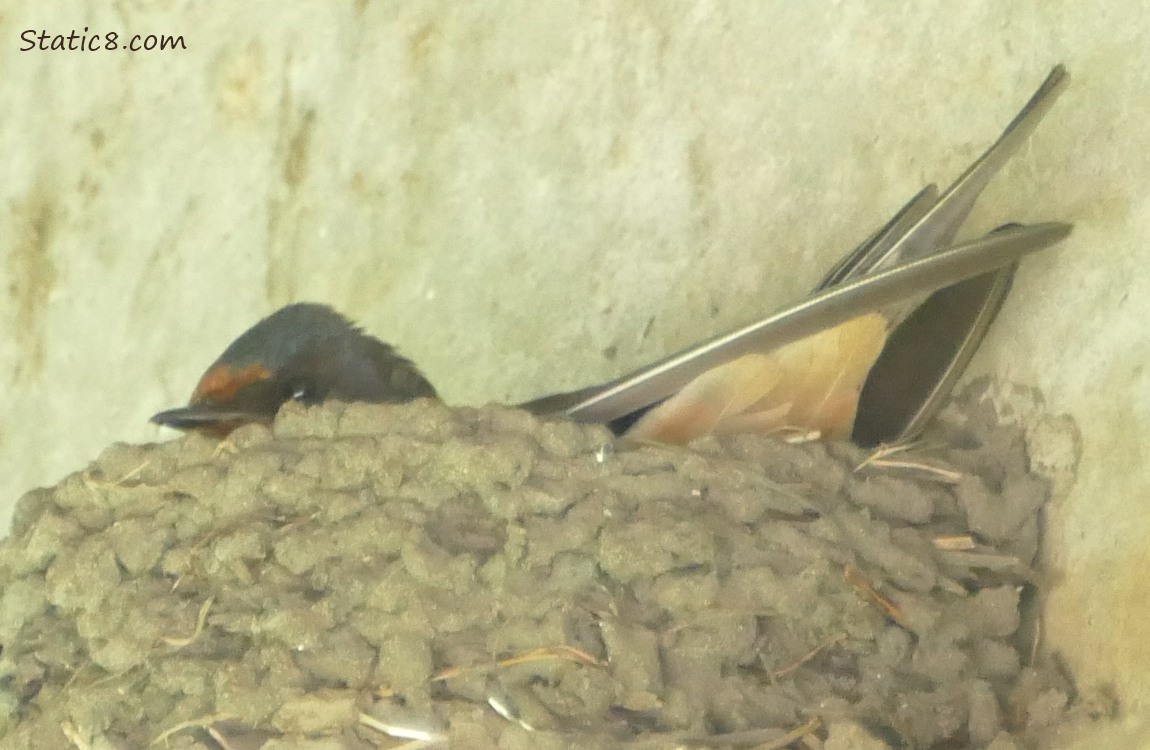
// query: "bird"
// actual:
[[869, 356]]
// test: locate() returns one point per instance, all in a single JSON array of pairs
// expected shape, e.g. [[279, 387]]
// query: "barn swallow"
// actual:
[[869, 355]]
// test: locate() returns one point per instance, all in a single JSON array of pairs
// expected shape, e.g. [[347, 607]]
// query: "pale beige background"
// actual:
[[526, 196]]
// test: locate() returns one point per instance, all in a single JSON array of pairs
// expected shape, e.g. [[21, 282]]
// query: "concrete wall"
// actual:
[[530, 196]]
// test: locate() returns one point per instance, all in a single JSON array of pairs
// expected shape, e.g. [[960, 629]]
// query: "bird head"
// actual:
[[303, 352]]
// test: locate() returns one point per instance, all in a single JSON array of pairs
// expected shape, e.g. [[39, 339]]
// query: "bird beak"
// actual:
[[215, 420]]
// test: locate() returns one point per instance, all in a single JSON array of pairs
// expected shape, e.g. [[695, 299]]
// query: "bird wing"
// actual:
[[908, 258], [655, 382]]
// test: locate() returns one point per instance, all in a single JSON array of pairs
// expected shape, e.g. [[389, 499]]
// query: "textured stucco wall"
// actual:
[[529, 196]]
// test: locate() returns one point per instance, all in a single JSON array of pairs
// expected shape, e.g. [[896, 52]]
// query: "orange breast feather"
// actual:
[[810, 384]]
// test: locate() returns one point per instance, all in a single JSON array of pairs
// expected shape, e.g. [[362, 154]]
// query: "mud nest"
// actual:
[[362, 576]]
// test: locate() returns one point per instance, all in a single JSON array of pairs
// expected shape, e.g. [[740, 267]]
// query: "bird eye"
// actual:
[[304, 391]]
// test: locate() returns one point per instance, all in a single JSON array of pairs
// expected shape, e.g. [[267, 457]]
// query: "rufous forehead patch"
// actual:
[[220, 384]]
